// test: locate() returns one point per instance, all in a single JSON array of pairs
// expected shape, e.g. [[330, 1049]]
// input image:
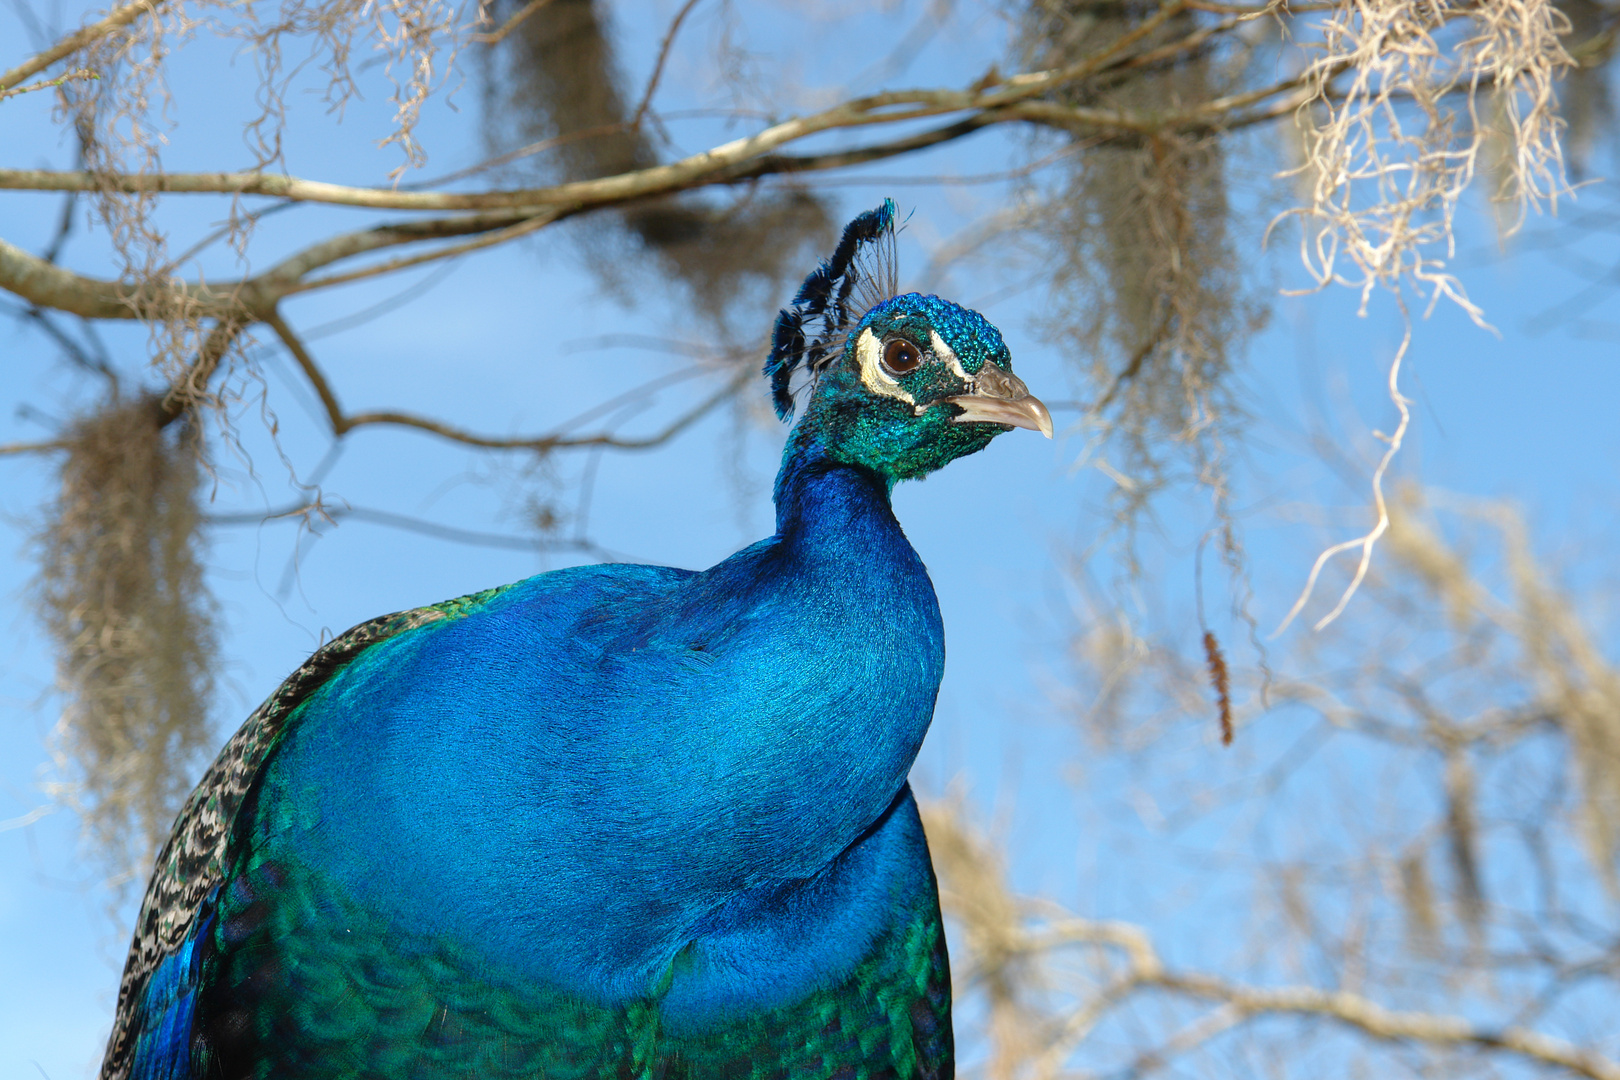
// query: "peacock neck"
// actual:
[[857, 602], [818, 496]]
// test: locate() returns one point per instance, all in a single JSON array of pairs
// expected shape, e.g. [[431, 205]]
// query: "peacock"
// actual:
[[617, 820]]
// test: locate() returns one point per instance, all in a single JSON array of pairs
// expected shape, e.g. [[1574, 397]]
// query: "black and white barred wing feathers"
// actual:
[[193, 860]]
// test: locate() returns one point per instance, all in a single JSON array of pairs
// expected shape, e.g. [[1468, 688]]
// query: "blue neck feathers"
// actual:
[[818, 499]]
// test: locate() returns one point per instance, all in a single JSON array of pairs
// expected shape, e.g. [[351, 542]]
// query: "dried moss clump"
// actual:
[[558, 81], [1149, 293], [122, 596]]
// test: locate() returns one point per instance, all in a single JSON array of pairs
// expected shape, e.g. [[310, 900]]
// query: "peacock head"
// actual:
[[901, 385]]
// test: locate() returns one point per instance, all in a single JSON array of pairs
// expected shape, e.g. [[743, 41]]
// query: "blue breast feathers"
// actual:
[[663, 748]]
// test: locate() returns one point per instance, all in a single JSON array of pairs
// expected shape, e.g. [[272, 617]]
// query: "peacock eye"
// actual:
[[901, 356]]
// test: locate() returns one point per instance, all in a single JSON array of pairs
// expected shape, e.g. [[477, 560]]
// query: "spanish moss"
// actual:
[[122, 597]]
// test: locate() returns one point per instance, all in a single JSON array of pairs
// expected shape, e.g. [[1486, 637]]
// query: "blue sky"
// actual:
[[508, 342]]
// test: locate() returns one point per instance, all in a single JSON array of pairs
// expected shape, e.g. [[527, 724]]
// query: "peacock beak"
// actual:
[[1000, 397]]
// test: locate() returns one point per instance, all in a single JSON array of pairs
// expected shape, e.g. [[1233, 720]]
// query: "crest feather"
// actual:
[[861, 274]]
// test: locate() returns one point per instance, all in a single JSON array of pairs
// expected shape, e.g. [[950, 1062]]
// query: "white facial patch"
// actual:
[[873, 377], [945, 353]]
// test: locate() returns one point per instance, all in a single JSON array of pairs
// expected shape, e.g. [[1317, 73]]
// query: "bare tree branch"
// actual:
[[312, 371], [714, 165], [46, 84], [497, 36], [1207, 114], [1381, 1023], [46, 447], [406, 523], [119, 18], [500, 236], [343, 423], [1254, 11], [47, 285], [999, 935], [741, 159], [744, 377], [658, 66], [192, 386]]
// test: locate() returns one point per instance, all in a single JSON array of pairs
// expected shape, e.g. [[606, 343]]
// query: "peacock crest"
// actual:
[[833, 300]]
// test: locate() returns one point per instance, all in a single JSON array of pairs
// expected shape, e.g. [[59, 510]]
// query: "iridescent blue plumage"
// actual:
[[611, 821]]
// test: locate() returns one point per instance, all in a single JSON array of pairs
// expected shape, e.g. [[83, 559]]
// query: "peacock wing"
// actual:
[[191, 864]]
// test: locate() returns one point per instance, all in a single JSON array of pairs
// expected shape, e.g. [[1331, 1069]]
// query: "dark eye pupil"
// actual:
[[901, 356]]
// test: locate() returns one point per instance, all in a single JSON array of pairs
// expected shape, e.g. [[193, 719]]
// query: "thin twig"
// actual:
[[516, 155], [1143, 969], [1367, 541], [743, 377], [119, 18], [1218, 1020], [497, 36], [311, 370], [192, 385], [454, 534], [511, 232], [48, 446], [343, 423], [658, 67], [48, 286], [1133, 367], [1373, 1019], [1209, 114], [83, 73], [1255, 11], [76, 352]]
